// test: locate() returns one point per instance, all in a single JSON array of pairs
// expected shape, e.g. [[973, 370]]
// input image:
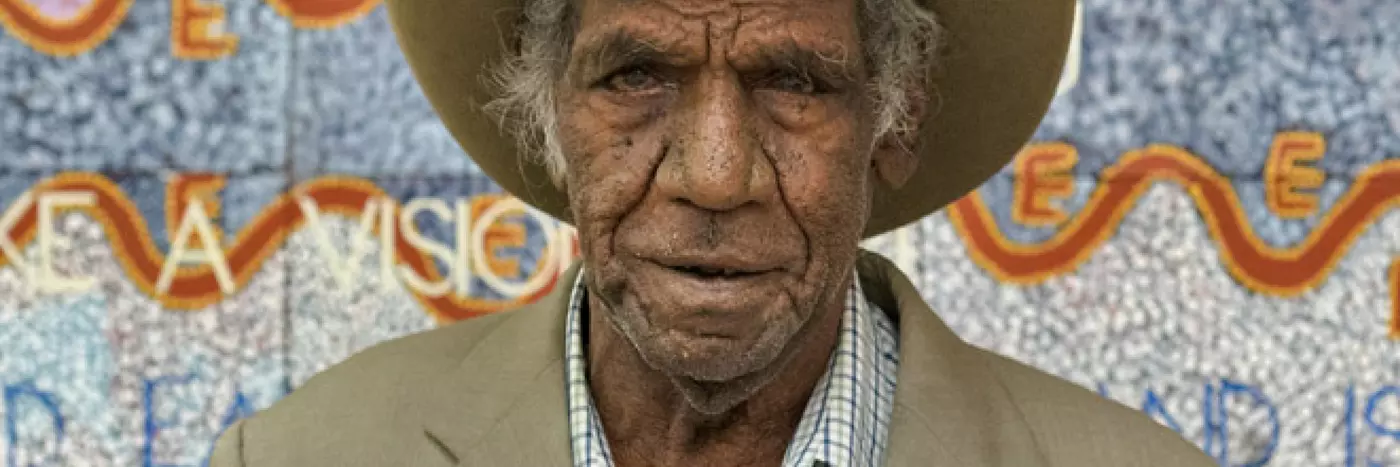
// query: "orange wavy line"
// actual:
[[195, 287], [323, 14], [1260, 267], [1395, 299], [88, 28]]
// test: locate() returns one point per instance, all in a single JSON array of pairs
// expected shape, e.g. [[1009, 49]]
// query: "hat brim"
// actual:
[[1001, 63]]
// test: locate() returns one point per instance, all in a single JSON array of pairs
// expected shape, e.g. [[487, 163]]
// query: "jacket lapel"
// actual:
[[505, 403], [950, 408]]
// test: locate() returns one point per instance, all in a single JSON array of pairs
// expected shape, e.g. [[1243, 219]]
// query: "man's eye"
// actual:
[[794, 83], [633, 80]]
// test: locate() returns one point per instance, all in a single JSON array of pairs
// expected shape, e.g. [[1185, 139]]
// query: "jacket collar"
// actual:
[[505, 403], [950, 406]]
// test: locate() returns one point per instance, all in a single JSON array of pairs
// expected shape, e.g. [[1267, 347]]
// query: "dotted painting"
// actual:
[[204, 203]]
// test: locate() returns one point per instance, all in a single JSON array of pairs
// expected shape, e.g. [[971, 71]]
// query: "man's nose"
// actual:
[[717, 161]]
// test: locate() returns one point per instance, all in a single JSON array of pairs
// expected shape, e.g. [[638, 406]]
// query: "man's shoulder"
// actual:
[[366, 405], [1075, 426], [393, 367], [409, 357]]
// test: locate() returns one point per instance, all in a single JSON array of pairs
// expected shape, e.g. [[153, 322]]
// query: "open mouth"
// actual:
[[715, 273]]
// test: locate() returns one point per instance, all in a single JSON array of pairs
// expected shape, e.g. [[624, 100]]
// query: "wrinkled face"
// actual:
[[719, 170]]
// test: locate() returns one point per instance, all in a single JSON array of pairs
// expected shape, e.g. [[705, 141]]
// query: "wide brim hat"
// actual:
[[1000, 63]]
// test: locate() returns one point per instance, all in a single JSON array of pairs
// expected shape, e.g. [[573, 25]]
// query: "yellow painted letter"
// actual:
[[1284, 177]]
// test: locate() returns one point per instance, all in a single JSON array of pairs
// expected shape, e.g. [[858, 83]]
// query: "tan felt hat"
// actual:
[[1002, 60]]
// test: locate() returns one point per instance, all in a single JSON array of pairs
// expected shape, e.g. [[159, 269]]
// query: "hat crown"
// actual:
[[994, 82]]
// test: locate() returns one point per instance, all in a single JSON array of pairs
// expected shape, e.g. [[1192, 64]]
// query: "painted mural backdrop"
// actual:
[[203, 203]]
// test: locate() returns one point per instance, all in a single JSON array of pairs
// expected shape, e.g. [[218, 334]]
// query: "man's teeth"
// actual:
[[704, 271]]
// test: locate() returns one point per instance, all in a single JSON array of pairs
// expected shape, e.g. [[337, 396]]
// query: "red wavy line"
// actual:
[[196, 287], [323, 13], [92, 25], [1279, 271]]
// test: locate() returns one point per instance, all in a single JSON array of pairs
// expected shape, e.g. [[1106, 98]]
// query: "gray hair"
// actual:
[[899, 41]]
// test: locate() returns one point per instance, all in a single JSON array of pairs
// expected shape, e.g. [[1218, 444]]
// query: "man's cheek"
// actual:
[[828, 193], [603, 205], [608, 178]]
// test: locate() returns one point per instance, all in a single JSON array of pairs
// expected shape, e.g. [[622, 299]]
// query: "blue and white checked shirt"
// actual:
[[846, 423]]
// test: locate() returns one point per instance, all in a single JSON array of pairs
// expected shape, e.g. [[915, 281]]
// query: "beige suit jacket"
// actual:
[[490, 392]]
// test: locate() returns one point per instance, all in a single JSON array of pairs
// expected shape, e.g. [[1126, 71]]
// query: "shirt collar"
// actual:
[[845, 424]]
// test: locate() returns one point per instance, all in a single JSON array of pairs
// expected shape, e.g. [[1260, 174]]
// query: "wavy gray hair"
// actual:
[[899, 41]]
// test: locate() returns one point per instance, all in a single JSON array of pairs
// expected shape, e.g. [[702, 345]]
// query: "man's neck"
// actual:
[[648, 420]]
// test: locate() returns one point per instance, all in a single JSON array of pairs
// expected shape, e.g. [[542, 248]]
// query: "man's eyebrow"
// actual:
[[791, 56], [616, 49]]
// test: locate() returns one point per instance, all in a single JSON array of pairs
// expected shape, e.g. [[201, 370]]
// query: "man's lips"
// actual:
[[716, 266], [707, 302], [708, 295]]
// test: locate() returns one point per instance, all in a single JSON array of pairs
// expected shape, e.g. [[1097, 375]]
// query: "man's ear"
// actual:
[[894, 162], [894, 159]]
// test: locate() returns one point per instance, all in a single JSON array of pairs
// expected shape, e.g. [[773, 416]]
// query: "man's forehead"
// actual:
[[691, 27]]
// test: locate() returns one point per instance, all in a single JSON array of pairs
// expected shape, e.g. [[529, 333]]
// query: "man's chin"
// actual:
[[707, 359], [715, 374]]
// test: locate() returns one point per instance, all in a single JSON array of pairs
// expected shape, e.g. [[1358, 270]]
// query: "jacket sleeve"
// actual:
[[228, 450]]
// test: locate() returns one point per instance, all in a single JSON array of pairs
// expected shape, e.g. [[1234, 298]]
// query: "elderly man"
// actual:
[[721, 160]]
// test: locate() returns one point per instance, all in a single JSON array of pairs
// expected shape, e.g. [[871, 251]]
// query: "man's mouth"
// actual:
[[708, 272], [709, 294], [711, 267]]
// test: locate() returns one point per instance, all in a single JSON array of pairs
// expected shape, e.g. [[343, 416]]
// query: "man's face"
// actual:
[[719, 170]]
